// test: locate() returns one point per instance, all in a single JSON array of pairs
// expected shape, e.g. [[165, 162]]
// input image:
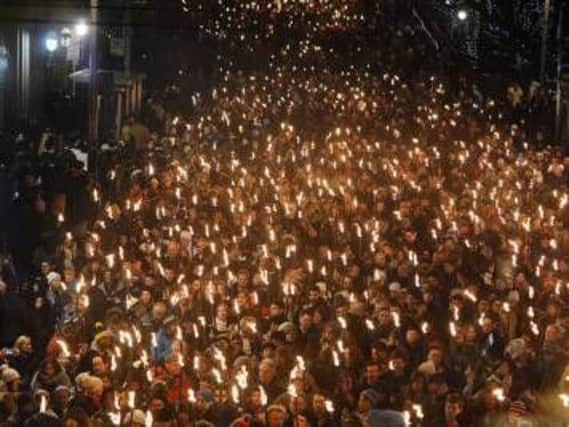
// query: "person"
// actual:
[[176, 379], [25, 408], [11, 380], [308, 336], [137, 132], [268, 379], [136, 418], [76, 418], [454, 410], [321, 416], [276, 416], [89, 397], [301, 420], [49, 376], [61, 399], [46, 416], [516, 98], [367, 402], [164, 339], [339, 246], [21, 358]]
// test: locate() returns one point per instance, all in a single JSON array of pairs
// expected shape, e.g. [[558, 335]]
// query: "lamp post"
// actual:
[[52, 47], [93, 95], [3, 72], [80, 31], [558, 89], [93, 101], [544, 33]]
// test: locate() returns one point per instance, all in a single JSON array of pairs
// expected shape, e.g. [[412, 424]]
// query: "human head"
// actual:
[[454, 405], [319, 404], [159, 311], [276, 416], [12, 379], [367, 401], [76, 417], [94, 388], [267, 371], [372, 373], [23, 344], [99, 366]]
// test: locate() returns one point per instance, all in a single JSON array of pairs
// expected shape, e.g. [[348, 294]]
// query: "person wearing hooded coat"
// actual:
[[49, 376]]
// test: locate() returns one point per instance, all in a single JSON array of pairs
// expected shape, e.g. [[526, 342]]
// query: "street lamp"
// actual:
[[3, 58], [462, 15], [51, 43], [3, 70], [81, 29]]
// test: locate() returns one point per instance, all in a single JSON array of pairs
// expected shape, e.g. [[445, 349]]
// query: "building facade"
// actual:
[[46, 77]]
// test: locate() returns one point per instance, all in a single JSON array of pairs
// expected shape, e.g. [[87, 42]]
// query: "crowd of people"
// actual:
[[307, 248]]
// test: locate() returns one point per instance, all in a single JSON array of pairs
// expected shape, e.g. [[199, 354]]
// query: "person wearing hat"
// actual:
[[104, 341], [276, 416], [11, 379], [56, 296], [205, 406], [367, 401], [50, 375]]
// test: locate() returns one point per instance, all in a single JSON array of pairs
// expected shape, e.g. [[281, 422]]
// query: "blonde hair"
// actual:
[[21, 340]]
